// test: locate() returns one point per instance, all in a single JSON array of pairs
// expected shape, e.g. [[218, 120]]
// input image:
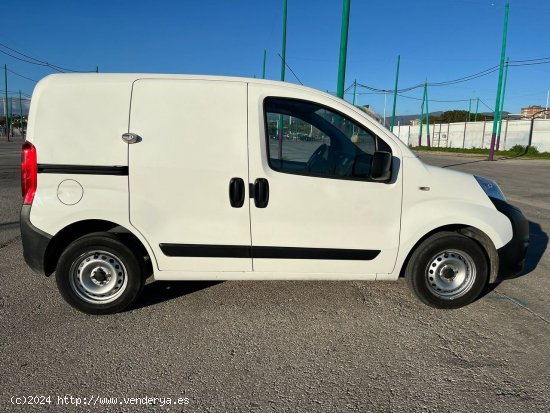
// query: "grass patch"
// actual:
[[517, 150]]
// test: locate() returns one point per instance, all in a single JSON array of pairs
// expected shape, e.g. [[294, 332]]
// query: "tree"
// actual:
[[451, 116]]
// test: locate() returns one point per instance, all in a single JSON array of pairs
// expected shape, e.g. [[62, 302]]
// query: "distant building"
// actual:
[[530, 111], [415, 122]]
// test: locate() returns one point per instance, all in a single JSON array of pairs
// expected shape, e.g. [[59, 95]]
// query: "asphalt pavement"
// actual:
[[282, 346]]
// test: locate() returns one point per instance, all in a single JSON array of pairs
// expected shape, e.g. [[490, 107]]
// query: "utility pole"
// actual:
[[6, 101], [395, 93], [343, 50], [421, 117], [427, 115], [502, 103], [354, 91], [469, 110], [385, 96], [20, 113], [263, 69], [283, 54], [477, 107], [283, 66], [497, 103]]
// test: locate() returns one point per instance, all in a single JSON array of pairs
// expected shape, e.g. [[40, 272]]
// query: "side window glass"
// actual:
[[307, 139]]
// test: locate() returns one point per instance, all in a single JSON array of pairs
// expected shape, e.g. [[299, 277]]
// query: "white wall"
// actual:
[[478, 134]]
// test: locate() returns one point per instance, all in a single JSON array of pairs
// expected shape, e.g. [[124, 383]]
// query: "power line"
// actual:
[[346, 90], [488, 71], [529, 60], [487, 106], [444, 83], [434, 100], [24, 60], [289, 68], [12, 91], [530, 64], [24, 77], [32, 60]]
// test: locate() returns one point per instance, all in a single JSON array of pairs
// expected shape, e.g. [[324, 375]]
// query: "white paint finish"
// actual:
[[454, 198], [194, 140], [105, 197], [387, 277], [312, 212], [70, 192], [78, 120]]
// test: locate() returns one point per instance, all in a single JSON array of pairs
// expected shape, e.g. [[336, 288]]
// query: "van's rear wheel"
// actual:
[[97, 274], [448, 270]]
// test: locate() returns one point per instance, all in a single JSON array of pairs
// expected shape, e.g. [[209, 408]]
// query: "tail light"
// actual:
[[28, 172]]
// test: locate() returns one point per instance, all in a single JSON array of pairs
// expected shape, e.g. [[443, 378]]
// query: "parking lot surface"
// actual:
[[284, 346]]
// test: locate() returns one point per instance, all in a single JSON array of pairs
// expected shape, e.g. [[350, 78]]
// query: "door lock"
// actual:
[[130, 138]]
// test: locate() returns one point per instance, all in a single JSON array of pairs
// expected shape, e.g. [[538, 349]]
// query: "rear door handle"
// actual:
[[236, 192], [261, 192], [131, 138]]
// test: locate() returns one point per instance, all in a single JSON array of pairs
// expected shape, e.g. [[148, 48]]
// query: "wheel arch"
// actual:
[[61, 240], [482, 239]]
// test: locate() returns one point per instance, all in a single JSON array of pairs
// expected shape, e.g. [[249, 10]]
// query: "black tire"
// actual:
[[94, 259], [442, 260]]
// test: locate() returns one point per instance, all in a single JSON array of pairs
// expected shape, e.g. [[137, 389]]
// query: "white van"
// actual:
[[218, 178]]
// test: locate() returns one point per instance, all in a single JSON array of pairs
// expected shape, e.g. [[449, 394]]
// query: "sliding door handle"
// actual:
[[261, 193], [236, 192]]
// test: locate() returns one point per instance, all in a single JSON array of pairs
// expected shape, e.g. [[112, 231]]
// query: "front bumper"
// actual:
[[512, 255], [34, 241]]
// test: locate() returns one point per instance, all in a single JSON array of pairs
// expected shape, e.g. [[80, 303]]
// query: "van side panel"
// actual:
[[321, 214], [451, 198], [192, 143], [76, 123], [79, 120]]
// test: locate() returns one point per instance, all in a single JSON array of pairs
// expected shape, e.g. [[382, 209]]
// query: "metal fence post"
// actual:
[[531, 132]]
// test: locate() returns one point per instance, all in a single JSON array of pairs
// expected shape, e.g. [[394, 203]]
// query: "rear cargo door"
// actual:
[[188, 173]]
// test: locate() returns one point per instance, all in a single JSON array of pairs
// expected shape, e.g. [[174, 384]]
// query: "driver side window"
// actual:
[[308, 139]]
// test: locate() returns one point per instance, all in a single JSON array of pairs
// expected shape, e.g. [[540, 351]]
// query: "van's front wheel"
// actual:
[[448, 270], [97, 274]]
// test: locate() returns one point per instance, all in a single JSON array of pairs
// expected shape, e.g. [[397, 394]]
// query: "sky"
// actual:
[[437, 40]]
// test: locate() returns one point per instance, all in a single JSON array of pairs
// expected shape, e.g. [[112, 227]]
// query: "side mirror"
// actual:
[[381, 166]]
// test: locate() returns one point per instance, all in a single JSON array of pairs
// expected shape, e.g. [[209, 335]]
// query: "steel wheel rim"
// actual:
[[450, 274], [98, 277]]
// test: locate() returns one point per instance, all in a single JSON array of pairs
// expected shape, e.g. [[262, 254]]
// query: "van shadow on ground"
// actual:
[[157, 292], [538, 243]]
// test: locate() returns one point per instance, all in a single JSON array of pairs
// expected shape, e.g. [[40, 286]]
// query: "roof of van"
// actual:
[[131, 77]]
